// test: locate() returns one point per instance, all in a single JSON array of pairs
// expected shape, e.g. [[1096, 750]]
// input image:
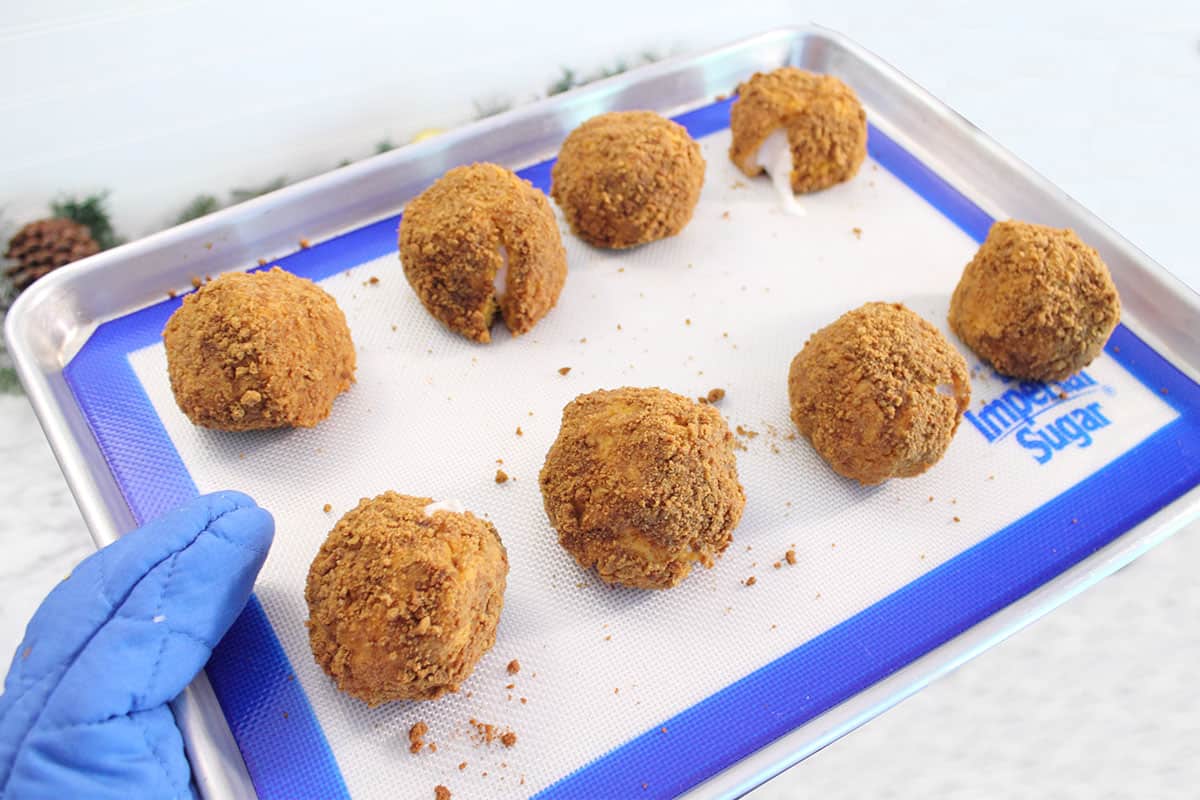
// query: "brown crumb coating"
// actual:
[[627, 178], [258, 350], [416, 736], [455, 236], [879, 393], [825, 124], [641, 484], [402, 605], [1036, 302]]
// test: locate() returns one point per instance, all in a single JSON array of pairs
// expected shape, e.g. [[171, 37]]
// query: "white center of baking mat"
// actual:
[[726, 304]]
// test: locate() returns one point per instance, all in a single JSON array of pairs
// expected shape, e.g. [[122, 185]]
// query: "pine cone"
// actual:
[[45, 245]]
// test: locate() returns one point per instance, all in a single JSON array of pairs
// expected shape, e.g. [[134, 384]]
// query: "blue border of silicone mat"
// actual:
[[289, 757]]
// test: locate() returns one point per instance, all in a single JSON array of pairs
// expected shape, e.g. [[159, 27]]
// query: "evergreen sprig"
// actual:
[[204, 204], [8, 376], [565, 83], [572, 80], [251, 192], [492, 107], [201, 206], [6, 231], [9, 382], [91, 211]]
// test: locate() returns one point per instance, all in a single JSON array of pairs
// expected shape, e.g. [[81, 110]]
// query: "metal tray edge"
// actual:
[[40, 346]]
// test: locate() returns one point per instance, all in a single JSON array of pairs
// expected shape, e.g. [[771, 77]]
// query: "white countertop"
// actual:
[[1098, 699]]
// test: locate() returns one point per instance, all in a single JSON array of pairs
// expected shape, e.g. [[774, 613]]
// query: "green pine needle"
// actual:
[[608, 72], [9, 383], [565, 83], [201, 206], [491, 108], [249, 193], [6, 232], [571, 79], [8, 376], [8, 293], [91, 211]]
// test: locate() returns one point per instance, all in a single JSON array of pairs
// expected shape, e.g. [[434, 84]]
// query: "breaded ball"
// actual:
[[627, 178], [641, 484], [480, 241], [879, 393], [1036, 302], [258, 350], [823, 122], [404, 597]]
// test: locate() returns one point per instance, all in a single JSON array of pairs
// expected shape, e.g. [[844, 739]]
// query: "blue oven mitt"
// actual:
[[84, 711]]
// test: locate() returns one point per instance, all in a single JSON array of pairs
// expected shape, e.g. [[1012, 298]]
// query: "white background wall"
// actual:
[[158, 101]]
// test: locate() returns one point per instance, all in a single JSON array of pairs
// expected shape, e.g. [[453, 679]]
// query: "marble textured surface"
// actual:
[[42, 536], [1098, 699], [1095, 700]]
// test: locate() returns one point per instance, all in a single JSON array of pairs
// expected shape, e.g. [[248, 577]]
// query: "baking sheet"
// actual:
[[661, 689]]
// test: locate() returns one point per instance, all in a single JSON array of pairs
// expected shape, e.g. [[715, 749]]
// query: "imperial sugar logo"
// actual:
[[1044, 418]]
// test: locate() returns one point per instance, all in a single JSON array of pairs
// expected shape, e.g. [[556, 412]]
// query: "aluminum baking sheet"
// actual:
[[715, 684]]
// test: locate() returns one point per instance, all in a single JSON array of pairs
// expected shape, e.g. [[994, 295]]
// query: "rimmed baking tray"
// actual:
[[715, 686]]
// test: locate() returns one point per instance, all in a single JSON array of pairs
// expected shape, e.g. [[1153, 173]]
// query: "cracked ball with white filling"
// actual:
[[808, 131], [481, 243]]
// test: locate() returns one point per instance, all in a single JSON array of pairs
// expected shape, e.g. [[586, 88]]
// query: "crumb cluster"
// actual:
[[416, 737], [486, 733]]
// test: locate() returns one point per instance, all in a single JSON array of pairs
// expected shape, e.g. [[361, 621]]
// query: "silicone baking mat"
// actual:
[[641, 694]]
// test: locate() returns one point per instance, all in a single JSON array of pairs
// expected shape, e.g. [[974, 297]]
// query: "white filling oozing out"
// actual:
[[775, 156], [501, 279], [453, 506]]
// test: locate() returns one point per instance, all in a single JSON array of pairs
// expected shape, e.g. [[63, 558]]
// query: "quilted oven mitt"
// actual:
[[84, 711]]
